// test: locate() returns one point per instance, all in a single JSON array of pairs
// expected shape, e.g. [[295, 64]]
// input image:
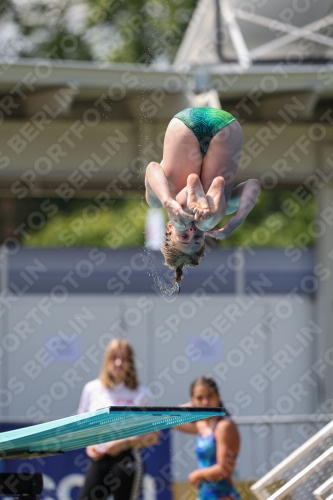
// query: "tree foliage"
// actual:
[[142, 31], [119, 225], [123, 224], [271, 223], [133, 31], [53, 29]]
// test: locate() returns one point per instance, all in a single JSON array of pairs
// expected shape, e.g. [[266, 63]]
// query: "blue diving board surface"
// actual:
[[106, 424]]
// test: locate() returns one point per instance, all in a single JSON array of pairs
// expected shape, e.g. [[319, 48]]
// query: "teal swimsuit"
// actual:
[[205, 123], [205, 449]]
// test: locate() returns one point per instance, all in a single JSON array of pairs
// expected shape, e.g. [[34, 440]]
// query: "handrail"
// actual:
[[319, 492], [306, 472], [259, 486]]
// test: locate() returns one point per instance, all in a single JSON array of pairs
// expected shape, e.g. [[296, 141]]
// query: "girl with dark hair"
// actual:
[[116, 466], [217, 446], [195, 183]]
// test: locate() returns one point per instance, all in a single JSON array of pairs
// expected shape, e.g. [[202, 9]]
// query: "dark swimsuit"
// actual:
[[205, 123]]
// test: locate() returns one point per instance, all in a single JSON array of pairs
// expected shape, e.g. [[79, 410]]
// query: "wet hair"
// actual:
[[105, 377], [176, 259], [208, 382]]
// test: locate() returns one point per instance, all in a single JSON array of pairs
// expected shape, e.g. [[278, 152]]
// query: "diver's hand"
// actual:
[[180, 219], [195, 478], [95, 452], [221, 234], [113, 448]]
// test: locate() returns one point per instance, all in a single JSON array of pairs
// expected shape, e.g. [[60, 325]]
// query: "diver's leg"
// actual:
[[221, 159], [181, 155]]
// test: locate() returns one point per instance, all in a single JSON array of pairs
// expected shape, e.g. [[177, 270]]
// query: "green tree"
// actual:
[[106, 30], [269, 225], [120, 225], [141, 31], [83, 223], [54, 29]]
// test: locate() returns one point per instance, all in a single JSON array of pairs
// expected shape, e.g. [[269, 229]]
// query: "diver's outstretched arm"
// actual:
[[247, 192], [158, 195]]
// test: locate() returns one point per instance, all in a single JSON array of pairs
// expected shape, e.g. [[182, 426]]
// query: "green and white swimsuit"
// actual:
[[205, 123]]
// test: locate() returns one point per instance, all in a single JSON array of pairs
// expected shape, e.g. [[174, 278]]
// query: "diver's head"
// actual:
[[189, 240], [183, 248]]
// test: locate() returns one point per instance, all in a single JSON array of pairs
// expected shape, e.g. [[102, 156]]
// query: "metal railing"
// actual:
[[260, 488], [323, 488]]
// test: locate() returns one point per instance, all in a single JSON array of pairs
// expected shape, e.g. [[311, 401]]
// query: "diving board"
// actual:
[[106, 424]]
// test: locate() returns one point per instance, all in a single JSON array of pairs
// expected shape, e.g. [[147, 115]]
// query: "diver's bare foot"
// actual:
[[215, 195], [217, 205], [196, 198]]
